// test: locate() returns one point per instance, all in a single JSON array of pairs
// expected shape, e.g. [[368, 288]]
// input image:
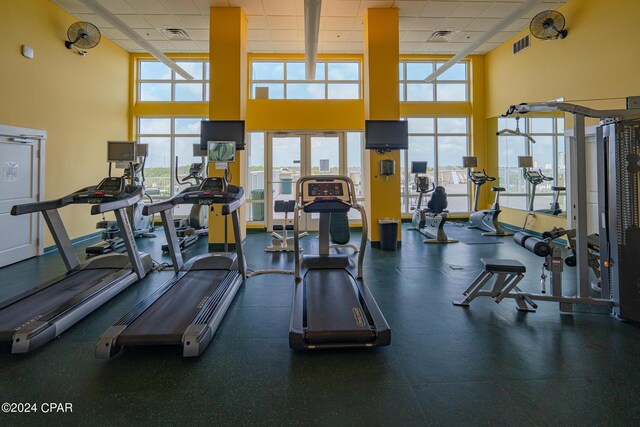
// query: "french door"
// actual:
[[291, 155]]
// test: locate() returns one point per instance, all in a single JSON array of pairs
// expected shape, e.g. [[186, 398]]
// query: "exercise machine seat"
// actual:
[[496, 265], [438, 200], [555, 188], [498, 189]]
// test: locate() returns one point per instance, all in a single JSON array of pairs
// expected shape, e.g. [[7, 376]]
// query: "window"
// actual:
[[441, 142], [286, 80], [158, 83], [167, 138], [452, 85], [255, 176], [548, 155]]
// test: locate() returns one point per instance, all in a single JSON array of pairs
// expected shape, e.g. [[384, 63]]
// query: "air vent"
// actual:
[[442, 36], [521, 44], [175, 33]]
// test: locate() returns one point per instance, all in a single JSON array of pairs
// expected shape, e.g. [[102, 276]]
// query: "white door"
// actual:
[[291, 155], [21, 160]]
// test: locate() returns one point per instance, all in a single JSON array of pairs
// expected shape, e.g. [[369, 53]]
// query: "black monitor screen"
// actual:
[[222, 130], [418, 167], [121, 151], [386, 134]]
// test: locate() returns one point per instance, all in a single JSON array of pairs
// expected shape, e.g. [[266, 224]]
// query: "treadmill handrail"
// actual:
[[135, 193], [189, 196], [46, 205]]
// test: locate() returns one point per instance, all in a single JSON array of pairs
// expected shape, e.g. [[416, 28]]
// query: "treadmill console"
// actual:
[[109, 189], [112, 185], [320, 190], [533, 174], [214, 185]]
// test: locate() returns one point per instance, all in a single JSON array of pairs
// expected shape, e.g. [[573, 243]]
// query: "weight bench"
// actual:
[[282, 242], [509, 273]]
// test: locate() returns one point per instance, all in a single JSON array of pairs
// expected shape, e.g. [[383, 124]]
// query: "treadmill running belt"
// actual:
[[49, 299], [333, 309], [166, 320]]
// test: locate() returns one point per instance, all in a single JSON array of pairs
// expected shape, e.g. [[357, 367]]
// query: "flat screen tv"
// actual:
[[222, 130], [386, 135]]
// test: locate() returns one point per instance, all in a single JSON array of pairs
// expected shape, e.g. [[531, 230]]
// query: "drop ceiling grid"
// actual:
[[275, 26]]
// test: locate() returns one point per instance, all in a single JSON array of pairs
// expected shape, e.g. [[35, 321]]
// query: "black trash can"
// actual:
[[388, 234]]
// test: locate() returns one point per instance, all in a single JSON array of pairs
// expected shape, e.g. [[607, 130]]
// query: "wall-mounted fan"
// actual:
[[82, 35], [548, 25]]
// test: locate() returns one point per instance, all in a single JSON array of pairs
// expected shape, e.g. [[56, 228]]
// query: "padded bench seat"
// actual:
[[497, 265]]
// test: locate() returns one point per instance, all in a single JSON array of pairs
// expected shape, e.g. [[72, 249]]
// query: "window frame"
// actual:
[[403, 81], [325, 81], [405, 193], [173, 81]]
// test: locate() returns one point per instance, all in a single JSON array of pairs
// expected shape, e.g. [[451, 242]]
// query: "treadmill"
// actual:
[[332, 308], [37, 316], [187, 309]]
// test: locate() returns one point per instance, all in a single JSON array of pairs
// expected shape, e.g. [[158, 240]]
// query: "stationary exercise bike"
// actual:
[[486, 219], [536, 178], [142, 226], [430, 221], [190, 229]]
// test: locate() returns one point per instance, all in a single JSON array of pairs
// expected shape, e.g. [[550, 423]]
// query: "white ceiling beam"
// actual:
[[508, 20], [116, 22], [311, 32]]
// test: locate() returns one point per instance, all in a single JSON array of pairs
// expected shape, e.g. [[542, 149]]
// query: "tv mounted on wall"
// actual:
[[386, 135], [222, 130]]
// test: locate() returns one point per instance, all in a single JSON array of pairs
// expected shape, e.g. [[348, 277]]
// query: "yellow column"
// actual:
[[382, 102], [227, 100]]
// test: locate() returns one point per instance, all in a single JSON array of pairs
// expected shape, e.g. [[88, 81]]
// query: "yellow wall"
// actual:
[[596, 62], [80, 101]]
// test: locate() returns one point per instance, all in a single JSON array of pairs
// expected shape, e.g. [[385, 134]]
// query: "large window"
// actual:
[[255, 176], [286, 80], [167, 138], [441, 142], [158, 83], [452, 85], [548, 155]]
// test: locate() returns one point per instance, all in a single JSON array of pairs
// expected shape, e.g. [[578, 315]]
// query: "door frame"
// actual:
[[306, 222], [20, 135]]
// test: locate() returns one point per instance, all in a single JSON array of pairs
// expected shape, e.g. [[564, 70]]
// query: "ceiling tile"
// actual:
[[151, 34], [468, 36], [355, 47], [334, 36], [198, 34], [406, 23], [289, 46], [129, 46], [501, 37], [257, 22], [487, 47], [356, 36], [519, 25], [163, 45], [439, 9], [284, 22], [410, 47], [425, 24], [135, 21], [410, 8], [333, 47], [183, 45], [201, 46], [113, 34], [537, 9], [470, 9], [258, 35], [482, 24], [340, 8], [287, 35], [117, 6], [364, 5], [181, 7], [250, 7], [147, 6], [205, 5], [160, 21], [93, 19], [458, 24], [279, 7], [415, 36], [263, 46], [337, 23], [193, 21], [499, 10], [73, 6]]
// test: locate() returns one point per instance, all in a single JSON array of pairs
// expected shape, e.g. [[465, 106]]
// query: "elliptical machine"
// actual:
[[536, 178], [190, 229], [486, 219], [429, 221], [142, 226]]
